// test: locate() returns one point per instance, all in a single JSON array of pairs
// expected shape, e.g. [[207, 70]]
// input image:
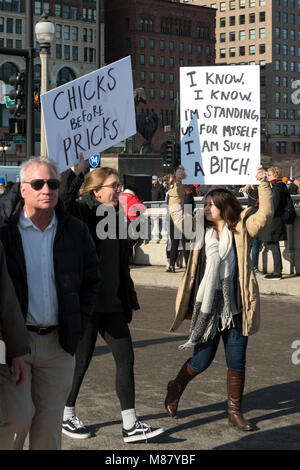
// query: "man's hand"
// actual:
[[180, 173], [261, 174], [19, 369]]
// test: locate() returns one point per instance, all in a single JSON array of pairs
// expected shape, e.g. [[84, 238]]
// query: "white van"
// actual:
[[10, 173]]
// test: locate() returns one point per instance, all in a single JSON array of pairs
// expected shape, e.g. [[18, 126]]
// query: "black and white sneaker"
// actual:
[[73, 427], [273, 277], [140, 432]]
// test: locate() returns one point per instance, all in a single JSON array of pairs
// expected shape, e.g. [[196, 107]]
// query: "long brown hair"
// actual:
[[94, 179], [228, 205]]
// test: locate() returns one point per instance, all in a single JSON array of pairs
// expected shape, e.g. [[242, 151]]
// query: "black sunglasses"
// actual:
[[39, 184]]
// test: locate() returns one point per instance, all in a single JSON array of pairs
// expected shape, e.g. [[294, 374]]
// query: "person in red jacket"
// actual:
[[133, 207], [131, 203]]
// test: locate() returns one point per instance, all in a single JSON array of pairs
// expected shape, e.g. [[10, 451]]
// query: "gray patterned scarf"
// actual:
[[213, 296]]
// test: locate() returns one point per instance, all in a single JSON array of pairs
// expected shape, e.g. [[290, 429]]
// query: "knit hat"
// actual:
[[292, 179], [284, 179], [2, 180]]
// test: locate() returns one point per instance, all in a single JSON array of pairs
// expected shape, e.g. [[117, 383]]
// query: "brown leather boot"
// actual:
[[235, 389], [177, 386]]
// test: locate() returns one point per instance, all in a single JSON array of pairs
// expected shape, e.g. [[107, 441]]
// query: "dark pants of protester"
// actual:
[[255, 245], [114, 330], [175, 239], [275, 250], [235, 349]]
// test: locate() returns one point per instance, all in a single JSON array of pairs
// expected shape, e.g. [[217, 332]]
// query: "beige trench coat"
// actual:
[[248, 227]]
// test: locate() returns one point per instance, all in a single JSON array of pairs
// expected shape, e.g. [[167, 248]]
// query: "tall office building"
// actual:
[[266, 32], [73, 50], [160, 36]]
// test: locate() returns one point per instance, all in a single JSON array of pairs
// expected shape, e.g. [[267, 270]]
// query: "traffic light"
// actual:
[[18, 94], [36, 99], [169, 156]]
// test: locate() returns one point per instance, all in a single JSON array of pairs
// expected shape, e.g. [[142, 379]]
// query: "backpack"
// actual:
[[289, 213]]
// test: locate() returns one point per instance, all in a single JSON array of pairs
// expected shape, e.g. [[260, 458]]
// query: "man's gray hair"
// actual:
[[37, 161]]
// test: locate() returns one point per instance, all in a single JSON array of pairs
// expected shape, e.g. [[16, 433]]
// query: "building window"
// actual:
[[242, 3], [222, 53], [58, 31], [58, 51], [152, 77], [232, 36], [232, 52], [142, 43], [252, 34], [162, 45], [231, 20], [242, 50], [142, 76], [242, 35], [242, 19], [222, 22], [9, 25], [281, 147], [152, 60], [67, 32], [151, 43], [162, 77], [18, 26], [9, 43], [252, 49], [66, 52], [162, 93], [252, 3], [251, 17], [262, 33], [262, 48], [75, 53], [74, 33], [223, 6], [18, 44], [232, 5], [37, 8], [152, 93], [262, 16], [172, 62], [223, 37], [171, 46], [57, 9], [162, 61], [142, 59]]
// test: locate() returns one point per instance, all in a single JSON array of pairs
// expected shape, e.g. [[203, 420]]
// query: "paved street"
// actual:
[[272, 392]]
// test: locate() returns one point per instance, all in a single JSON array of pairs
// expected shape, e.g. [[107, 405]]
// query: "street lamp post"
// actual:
[[44, 31]]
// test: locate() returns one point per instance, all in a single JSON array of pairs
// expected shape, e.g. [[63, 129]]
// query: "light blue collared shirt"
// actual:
[[38, 252]]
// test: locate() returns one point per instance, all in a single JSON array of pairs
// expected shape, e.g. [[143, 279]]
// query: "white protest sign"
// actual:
[[89, 114], [220, 124]]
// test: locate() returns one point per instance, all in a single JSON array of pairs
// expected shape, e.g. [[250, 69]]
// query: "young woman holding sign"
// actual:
[[219, 290], [115, 302]]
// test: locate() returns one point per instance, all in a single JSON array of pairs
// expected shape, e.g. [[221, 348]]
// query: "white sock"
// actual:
[[129, 418], [69, 411]]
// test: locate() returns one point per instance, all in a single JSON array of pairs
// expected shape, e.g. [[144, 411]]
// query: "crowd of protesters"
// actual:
[[65, 280]]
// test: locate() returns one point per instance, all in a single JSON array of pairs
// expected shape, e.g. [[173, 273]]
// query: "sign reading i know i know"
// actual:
[[220, 124], [89, 114]]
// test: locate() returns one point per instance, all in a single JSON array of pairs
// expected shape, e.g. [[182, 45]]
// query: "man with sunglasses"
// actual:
[[53, 264]]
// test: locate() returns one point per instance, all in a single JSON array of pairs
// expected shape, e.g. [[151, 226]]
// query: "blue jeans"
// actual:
[[255, 245], [235, 349]]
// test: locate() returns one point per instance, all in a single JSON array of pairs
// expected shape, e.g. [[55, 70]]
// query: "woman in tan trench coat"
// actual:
[[219, 291]]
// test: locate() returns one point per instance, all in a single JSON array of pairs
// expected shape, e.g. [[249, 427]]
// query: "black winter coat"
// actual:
[[76, 267], [85, 209], [276, 231]]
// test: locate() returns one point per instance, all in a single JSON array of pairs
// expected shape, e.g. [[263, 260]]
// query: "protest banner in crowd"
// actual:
[[220, 124], [89, 114]]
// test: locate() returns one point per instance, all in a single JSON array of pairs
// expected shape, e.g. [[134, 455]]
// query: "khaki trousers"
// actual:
[[36, 406]]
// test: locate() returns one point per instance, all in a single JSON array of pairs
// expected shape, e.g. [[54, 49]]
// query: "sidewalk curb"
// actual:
[[156, 276]]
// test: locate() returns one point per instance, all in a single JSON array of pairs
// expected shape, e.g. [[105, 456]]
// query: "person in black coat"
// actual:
[[158, 192], [53, 265], [99, 208], [292, 187], [276, 231]]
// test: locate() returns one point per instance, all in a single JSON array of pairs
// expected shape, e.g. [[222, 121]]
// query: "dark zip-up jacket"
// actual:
[[85, 210], [76, 267]]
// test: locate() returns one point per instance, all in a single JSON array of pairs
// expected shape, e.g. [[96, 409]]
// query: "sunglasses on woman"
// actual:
[[38, 184]]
